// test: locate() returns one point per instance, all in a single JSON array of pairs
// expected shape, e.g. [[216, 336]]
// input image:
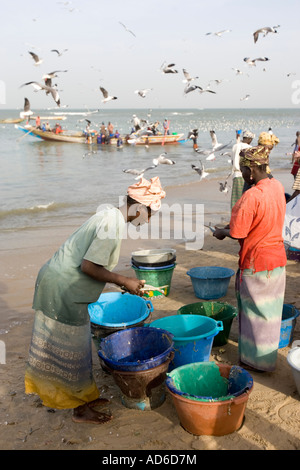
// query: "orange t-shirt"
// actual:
[[257, 221]]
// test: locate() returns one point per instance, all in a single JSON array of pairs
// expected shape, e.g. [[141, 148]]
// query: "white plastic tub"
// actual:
[[153, 256], [293, 359]]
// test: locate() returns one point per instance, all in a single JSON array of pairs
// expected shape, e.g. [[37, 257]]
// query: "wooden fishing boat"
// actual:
[[11, 120], [49, 118], [75, 137], [159, 139]]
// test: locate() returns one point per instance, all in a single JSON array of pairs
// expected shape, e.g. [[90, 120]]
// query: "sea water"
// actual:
[[50, 183]]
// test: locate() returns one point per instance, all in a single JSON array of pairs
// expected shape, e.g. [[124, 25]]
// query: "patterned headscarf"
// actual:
[[265, 138], [255, 156], [148, 193]]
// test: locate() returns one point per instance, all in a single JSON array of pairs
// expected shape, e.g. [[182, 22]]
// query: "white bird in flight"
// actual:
[[27, 111], [168, 68], [106, 96], [216, 146], [219, 33], [138, 173], [252, 63], [200, 170], [162, 160], [224, 187], [188, 77], [59, 53], [37, 87], [264, 31], [245, 98], [143, 93], [52, 74], [128, 30], [37, 60]]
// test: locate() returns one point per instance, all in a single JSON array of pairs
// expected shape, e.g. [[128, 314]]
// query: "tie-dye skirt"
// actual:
[[260, 299], [59, 367]]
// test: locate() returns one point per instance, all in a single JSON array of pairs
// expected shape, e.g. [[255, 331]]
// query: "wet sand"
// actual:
[[272, 418]]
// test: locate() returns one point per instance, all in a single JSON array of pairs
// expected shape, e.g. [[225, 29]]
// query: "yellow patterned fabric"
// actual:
[[265, 138], [59, 368]]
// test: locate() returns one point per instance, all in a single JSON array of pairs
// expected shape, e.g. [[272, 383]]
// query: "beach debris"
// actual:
[[200, 170], [265, 31], [37, 60], [106, 96], [126, 29]]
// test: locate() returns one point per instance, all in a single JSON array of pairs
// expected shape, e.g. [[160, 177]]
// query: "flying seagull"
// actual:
[[37, 87], [264, 31], [139, 173], [106, 96], [245, 98], [36, 58], [143, 93], [128, 30], [27, 111], [200, 170], [162, 160], [251, 62], [168, 68], [207, 90], [220, 33], [59, 53], [215, 144], [190, 88], [224, 187], [188, 77], [52, 74]]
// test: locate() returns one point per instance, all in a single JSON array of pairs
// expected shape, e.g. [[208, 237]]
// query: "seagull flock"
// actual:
[[166, 69]]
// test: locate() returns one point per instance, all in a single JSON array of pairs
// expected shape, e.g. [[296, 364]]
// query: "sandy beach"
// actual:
[[272, 418]]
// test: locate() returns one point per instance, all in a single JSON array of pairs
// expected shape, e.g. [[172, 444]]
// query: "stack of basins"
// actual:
[[156, 268], [138, 359]]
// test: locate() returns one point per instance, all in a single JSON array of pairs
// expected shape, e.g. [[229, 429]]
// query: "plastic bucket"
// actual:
[[288, 323], [219, 311], [210, 282], [157, 278], [293, 254], [142, 390], [192, 335], [136, 349], [293, 359], [205, 416], [115, 311], [153, 256], [161, 264]]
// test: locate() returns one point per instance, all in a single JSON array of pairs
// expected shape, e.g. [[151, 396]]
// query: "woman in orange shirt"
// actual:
[[257, 221]]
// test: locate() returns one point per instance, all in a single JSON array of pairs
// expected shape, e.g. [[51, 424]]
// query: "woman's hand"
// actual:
[[133, 285]]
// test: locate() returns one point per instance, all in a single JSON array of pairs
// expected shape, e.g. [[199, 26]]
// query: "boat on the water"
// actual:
[[76, 137], [11, 120], [158, 139]]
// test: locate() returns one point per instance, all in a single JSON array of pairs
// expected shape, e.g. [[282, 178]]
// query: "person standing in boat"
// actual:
[[166, 125], [59, 367], [38, 122]]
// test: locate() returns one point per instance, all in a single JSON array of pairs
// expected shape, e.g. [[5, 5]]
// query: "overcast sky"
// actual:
[[102, 53]]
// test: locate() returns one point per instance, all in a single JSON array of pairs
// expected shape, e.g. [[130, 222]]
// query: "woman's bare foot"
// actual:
[[98, 402], [85, 414]]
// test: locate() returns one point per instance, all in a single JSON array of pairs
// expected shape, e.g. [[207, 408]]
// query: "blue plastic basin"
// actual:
[[288, 323], [210, 282], [192, 335], [136, 349], [117, 310]]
